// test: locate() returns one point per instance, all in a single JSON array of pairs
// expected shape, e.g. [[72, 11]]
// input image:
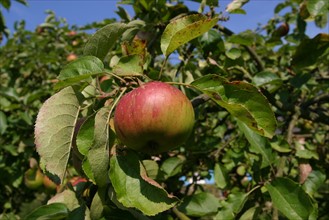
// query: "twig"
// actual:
[[180, 215]]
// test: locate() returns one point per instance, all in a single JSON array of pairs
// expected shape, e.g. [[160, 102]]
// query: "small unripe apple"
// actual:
[[241, 170], [154, 118], [33, 178]]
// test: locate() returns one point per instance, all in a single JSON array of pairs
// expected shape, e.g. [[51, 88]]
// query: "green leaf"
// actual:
[[242, 100], [66, 197], [306, 154], [54, 130], [55, 211], [134, 189], [233, 53], [258, 144], [96, 208], [267, 78], [309, 51], [98, 155], [281, 146], [232, 206], [152, 168], [3, 122], [172, 166], [220, 176], [104, 39], [85, 135], [318, 7], [235, 5], [79, 70], [182, 30], [250, 214], [314, 181], [201, 204], [247, 38], [87, 66], [129, 66], [291, 200]]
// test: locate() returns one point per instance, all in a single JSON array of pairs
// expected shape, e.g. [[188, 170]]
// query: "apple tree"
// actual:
[[257, 147]]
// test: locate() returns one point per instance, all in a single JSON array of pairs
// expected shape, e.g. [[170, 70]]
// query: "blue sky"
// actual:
[[80, 12]]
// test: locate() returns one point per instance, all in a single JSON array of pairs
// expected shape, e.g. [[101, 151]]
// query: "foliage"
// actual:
[[6, 4], [29, 64], [260, 129]]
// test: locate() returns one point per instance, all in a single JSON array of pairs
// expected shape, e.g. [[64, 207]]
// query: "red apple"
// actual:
[[33, 178], [282, 30], [154, 118]]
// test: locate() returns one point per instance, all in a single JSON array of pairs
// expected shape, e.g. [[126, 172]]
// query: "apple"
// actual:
[[71, 57], [71, 33], [241, 170], [33, 178], [282, 30], [49, 184], [154, 118]]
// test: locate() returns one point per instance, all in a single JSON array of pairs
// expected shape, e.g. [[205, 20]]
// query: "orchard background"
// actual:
[[259, 147]]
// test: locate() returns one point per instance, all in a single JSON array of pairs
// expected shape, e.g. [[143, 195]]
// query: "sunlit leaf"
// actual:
[[66, 197], [242, 100], [87, 65], [104, 39], [172, 166], [182, 30], [129, 66], [79, 70], [152, 168], [134, 188], [318, 7], [291, 200], [233, 53], [220, 176], [54, 130], [235, 5]]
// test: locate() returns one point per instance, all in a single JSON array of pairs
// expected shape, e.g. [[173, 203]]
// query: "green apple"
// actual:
[[33, 178]]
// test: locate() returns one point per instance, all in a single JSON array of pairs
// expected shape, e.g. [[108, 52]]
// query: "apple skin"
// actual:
[[282, 30], [71, 57], [154, 118], [33, 178], [49, 184]]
